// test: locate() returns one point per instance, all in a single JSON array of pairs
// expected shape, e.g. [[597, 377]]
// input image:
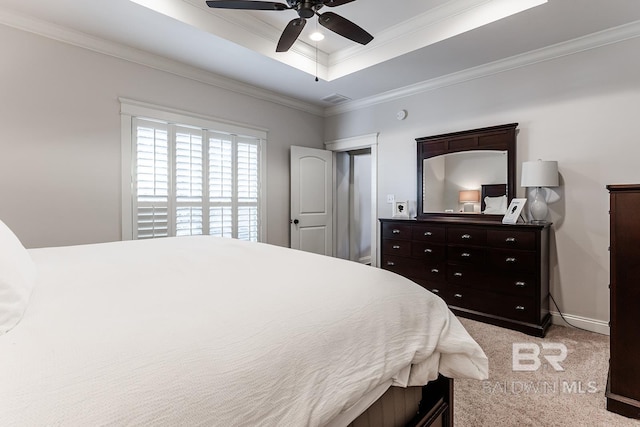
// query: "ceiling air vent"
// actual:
[[336, 98]]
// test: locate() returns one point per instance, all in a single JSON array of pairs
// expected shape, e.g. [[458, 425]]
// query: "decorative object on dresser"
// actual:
[[401, 209], [514, 211], [539, 174], [623, 384], [484, 270]]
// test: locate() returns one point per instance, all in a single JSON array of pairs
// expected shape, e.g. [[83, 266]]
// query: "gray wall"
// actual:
[[60, 174], [580, 110]]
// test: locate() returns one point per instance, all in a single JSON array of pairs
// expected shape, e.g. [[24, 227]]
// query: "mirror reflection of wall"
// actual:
[[433, 184], [445, 176]]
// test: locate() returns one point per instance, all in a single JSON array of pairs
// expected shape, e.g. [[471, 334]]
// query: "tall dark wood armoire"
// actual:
[[623, 385]]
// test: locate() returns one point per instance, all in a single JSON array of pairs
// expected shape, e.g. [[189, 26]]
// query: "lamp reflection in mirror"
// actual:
[[539, 174], [468, 198]]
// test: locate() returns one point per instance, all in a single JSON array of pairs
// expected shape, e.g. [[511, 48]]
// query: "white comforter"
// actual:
[[217, 332]]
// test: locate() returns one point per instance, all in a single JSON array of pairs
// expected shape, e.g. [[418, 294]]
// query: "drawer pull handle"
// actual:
[[510, 259], [457, 274], [465, 236], [457, 295], [395, 231], [396, 246], [435, 270], [427, 233], [391, 263], [465, 254], [520, 307], [435, 291], [521, 284], [428, 251], [510, 240]]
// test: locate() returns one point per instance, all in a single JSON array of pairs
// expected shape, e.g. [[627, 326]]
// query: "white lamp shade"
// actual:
[[539, 173]]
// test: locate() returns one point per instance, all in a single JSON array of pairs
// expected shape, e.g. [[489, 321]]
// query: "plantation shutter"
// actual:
[[151, 183], [247, 189], [221, 185], [192, 181], [189, 182]]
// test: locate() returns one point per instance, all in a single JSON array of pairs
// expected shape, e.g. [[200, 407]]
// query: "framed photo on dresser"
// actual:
[[401, 209], [513, 211]]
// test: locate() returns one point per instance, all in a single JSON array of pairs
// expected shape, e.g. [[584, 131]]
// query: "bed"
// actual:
[[190, 331]]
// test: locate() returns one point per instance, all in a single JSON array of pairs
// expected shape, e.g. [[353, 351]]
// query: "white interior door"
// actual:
[[312, 200]]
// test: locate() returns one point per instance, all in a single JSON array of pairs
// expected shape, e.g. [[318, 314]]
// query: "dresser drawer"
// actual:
[[427, 251], [435, 272], [466, 275], [512, 260], [514, 239], [407, 267], [396, 231], [511, 307], [438, 288], [429, 233], [512, 283], [396, 247], [466, 255], [466, 236]]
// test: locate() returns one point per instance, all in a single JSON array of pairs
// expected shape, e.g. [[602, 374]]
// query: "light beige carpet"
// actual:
[[544, 397]]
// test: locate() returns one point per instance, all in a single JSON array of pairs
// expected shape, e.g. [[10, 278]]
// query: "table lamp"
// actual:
[[539, 174]]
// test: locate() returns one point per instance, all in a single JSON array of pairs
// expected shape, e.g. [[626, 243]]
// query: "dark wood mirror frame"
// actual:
[[500, 138]]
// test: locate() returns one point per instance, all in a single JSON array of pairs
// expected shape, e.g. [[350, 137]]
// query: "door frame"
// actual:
[[356, 143]]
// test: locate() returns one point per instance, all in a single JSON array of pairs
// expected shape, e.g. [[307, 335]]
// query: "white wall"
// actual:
[[581, 110], [60, 142]]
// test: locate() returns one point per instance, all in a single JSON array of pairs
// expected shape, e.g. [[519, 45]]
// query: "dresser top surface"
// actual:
[[623, 187], [455, 220]]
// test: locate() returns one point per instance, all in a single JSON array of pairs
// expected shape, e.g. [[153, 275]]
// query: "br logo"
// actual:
[[526, 356]]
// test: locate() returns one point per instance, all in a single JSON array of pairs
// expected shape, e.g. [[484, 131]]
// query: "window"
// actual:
[[191, 177]]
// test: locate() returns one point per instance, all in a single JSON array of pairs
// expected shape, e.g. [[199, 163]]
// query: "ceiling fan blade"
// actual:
[[344, 27], [290, 34], [334, 3], [247, 5]]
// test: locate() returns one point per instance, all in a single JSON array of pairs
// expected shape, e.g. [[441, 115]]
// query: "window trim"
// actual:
[[131, 108]]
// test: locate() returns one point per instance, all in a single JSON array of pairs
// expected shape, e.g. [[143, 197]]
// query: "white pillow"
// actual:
[[17, 279], [495, 205]]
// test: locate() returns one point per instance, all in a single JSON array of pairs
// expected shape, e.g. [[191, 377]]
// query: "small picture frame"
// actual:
[[513, 211], [401, 209]]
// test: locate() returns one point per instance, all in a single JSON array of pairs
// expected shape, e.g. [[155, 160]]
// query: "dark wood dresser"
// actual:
[[483, 269], [623, 385]]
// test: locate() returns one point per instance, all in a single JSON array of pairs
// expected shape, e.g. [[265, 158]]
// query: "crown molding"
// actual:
[[137, 56], [581, 44]]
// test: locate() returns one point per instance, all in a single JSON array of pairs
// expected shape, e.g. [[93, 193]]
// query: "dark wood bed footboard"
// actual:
[[436, 406], [428, 406]]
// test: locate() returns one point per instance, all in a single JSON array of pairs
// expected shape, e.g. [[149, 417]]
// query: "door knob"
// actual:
[[295, 221]]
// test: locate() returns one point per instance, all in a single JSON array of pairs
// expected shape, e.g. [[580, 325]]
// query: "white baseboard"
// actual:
[[593, 325]]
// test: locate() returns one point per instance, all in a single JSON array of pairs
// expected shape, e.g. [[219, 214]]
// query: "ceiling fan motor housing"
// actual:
[[306, 9]]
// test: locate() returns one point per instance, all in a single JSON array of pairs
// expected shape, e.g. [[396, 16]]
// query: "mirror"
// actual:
[[456, 170], [446, 176]]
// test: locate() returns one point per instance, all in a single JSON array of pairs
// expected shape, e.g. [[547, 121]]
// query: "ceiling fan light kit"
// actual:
[[306, 9]]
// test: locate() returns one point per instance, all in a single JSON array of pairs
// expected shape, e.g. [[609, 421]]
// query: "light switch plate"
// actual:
[[391, 198]]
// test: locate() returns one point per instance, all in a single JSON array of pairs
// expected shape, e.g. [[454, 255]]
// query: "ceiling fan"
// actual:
[[306, 9]]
